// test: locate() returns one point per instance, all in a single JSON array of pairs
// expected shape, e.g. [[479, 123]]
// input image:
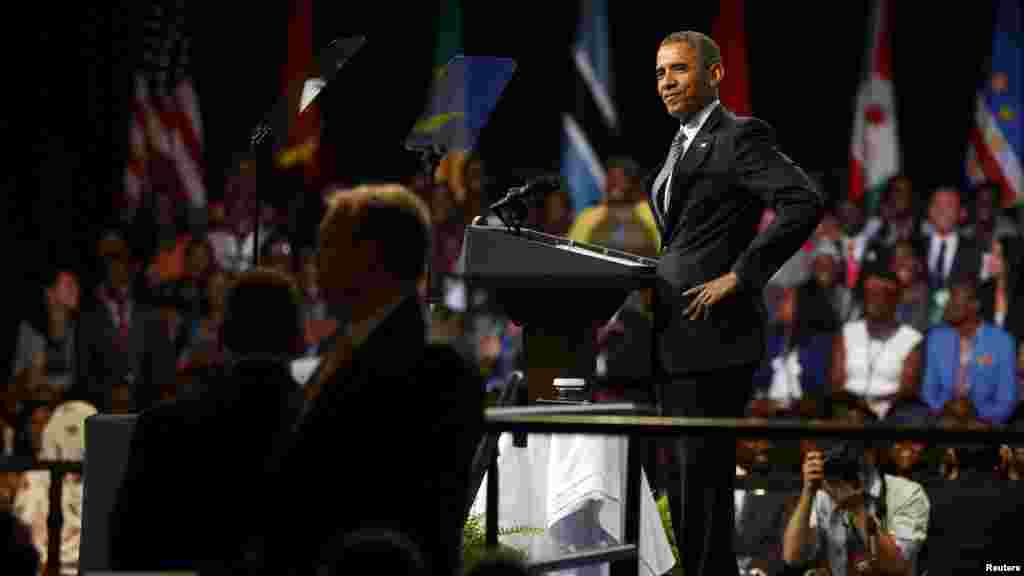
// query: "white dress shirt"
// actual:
[[690, 130], [951, 241]]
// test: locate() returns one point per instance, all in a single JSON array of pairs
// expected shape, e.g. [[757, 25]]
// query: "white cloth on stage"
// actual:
[[572, 488]]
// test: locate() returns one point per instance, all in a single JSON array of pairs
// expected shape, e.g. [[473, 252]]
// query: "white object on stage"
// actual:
[[571, 487]]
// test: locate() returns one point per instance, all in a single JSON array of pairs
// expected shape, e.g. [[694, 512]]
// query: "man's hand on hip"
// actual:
[[709, 293]]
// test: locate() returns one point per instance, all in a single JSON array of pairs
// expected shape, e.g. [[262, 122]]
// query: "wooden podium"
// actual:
[[560, 291]]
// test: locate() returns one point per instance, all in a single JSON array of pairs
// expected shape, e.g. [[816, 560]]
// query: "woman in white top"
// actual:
[[876, 362]]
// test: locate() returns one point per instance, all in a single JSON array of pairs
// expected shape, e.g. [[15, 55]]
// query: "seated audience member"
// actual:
[[989, 221], [867, 522], [914, 303], [906, 458], [374, 243], [760, 515], [795, 372], [17, 554], [1012, 461], [968, 360], [853, 240], [1000, 303], [124, 349], [198, 463], [826, 272], [63, 439], [44, 366], [876, 361]]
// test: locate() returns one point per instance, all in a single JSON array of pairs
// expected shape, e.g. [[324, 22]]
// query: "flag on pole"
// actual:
[[184, 123], [595, 120], [145, 133], [729, 31], [875, 150], [996, 140], [300, 85]]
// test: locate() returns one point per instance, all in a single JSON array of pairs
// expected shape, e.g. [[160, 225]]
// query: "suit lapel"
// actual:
[[651, 196]]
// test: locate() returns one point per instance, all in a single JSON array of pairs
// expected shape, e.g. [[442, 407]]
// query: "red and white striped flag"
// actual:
[[165, 153], [185, 133]]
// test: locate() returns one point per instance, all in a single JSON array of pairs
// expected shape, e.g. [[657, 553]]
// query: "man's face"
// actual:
[[825, 270], [880, 295], [66, 290], [842, 492], [685, 86], [961, 305], [851, 217], [904, 265], [753, 453], [900, 198], [617, 186], [474, 176], [944, 211], [906, 455]]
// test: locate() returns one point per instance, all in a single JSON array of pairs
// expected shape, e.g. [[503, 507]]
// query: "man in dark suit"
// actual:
[[195, 478], [390, 423], [708, 196], [125, 356]]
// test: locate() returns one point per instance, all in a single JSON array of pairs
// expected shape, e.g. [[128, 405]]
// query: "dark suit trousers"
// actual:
[[700, 485]]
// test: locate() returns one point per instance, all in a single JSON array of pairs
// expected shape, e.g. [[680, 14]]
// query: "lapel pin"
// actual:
[[703, 144]]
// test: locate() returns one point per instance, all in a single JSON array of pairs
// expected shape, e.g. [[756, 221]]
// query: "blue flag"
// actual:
[[582, 167], [996, 143]]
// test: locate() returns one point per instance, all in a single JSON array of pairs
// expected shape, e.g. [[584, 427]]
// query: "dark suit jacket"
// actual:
[[388, 444], [967, 259], [195, 480], [731, 171], [150, 356]]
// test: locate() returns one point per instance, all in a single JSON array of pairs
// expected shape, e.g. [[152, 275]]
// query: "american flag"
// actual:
[[165, 154]]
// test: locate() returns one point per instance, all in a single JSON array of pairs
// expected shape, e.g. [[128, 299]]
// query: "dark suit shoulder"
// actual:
[[749, 127]]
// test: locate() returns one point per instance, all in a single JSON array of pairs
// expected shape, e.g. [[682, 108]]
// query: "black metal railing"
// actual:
[[590, 420]]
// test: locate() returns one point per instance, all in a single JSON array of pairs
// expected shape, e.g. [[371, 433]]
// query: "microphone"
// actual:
[[541, 185]]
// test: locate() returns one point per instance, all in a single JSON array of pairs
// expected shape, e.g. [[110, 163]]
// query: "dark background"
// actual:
[[69, 73]]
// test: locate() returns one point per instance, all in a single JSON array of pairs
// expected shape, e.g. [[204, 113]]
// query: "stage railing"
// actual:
[[55, 520], [588, 419]]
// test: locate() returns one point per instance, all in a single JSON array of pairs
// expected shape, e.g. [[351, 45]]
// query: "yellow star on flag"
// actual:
[[1006, 113]]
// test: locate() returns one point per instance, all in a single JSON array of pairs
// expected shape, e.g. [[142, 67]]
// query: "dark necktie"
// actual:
[[938, 272], [662, 184]]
